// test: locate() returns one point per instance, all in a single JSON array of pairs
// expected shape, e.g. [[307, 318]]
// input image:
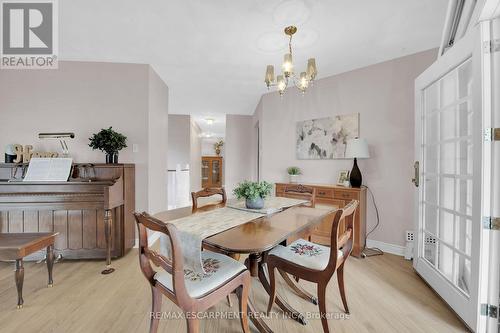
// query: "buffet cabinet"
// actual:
[[337, 196]]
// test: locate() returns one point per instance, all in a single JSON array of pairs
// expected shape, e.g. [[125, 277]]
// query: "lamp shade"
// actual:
[[357, 148]]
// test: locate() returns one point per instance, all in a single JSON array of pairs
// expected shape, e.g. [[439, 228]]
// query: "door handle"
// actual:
[[416, 179]]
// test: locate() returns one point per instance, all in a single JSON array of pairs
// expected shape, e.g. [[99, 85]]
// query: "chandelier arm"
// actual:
[[290, 44]]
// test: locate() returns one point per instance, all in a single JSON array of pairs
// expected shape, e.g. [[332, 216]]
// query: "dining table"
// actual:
[[255, 239]]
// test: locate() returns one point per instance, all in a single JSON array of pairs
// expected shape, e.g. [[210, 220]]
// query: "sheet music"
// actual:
[[48, 169]]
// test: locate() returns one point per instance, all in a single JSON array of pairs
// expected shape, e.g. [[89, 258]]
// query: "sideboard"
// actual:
[[337, 196]]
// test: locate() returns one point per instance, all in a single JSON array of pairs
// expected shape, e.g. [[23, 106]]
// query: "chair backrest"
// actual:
[[208, 192], [344, 241], [299, 191], [174, 266]]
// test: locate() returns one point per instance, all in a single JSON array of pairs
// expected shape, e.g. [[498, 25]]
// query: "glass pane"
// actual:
[[447, 193], [445, 260], [463, 196], [204, 170], [431, 159], [430, 194], [463, 234], [446, 223], [448, 92], [464, 119], [448, 158], [431, 219], [465, 157], [465, 79], [215, 172], [432, 128], [431, 98], [462, 273], [448, 123]]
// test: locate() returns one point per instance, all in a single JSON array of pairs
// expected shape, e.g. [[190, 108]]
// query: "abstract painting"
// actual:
[[326, 138]]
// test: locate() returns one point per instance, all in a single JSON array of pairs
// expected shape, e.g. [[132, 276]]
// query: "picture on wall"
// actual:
[[326, 138]]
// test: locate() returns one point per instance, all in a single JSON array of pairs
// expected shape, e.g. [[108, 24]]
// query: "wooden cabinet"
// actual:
[[337, 196], [211, 171]]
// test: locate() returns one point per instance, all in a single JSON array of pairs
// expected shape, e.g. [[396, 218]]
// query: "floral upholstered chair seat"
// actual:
[[218, 269], [306, 254]]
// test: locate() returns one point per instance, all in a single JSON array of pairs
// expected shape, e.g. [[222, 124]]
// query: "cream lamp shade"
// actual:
[[357, 148]]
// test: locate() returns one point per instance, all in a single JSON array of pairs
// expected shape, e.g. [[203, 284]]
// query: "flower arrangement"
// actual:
[[217, 146]]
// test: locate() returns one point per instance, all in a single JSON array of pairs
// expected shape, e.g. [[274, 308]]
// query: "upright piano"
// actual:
[[92, 212]]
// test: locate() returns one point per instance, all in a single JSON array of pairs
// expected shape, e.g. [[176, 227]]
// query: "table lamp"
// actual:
[[356, 148]]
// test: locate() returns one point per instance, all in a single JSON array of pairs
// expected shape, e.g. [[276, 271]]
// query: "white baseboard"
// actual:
[[153, 237], [386, 247]]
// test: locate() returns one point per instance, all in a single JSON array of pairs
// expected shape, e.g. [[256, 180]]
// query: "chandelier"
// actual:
[[302, 81]]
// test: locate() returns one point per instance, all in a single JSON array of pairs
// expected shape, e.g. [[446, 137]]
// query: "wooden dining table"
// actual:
[[256, 238]]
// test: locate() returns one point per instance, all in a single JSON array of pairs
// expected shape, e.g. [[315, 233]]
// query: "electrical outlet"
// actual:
[[410, 235], [410, 239], [429, 240]]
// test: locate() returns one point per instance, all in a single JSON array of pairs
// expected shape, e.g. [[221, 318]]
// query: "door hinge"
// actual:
[[491, 134], [489, 310], [491, 223], [491, 46]]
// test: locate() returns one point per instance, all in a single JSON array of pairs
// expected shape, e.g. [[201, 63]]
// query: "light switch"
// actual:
[[135, 148]]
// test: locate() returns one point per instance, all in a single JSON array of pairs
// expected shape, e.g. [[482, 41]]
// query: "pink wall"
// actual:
[[83, 97], [157, 131], [383, 95], [238, 151]]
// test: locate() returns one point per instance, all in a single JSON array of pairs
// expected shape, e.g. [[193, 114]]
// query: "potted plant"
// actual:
[[217, 146], [294, 173], [110, 142], [253, 192]]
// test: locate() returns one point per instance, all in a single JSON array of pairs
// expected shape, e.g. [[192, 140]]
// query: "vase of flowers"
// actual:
[[294, 173], [217, 146], [110, 142], [254, 193]]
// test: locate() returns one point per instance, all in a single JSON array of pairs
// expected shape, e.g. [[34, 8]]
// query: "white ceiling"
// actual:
[[213, 53], [217, 129]]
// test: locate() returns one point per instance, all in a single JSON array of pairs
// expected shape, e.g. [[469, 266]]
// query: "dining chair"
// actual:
[[191, 292], [316, 263], [205, 193], [298, 191]]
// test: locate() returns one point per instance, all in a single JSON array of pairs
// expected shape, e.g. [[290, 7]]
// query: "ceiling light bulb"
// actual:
[[304, 82], [281, 83], [311, 68], [269, 75], [287, 64]]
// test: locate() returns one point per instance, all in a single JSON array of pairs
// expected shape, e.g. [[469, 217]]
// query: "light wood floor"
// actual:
[[384, 295]]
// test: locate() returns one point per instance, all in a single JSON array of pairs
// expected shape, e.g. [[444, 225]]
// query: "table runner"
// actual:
[[271, 204], [192, 229]]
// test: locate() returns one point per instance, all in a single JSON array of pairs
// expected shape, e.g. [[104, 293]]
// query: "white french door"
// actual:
[[448, 145]]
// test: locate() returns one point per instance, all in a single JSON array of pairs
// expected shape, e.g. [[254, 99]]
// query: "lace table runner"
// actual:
[[192, 229]]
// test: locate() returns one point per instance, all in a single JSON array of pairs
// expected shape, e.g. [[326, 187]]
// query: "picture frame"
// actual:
[[343, 178]]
